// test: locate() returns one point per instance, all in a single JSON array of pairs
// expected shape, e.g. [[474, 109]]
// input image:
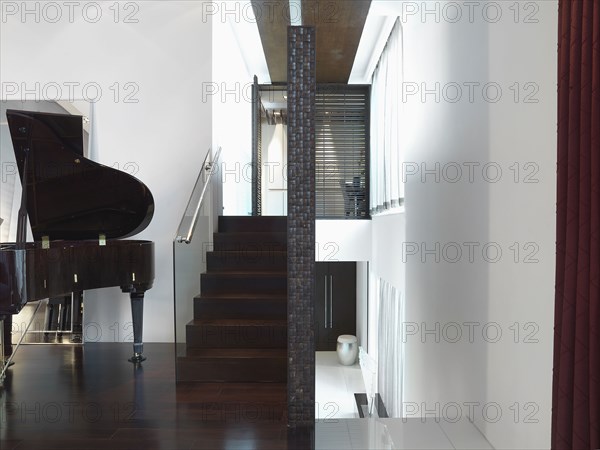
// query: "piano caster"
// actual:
[[76, 339], [137, 358]]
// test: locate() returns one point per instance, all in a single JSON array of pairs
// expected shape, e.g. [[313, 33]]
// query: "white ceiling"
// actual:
[[378, 26]]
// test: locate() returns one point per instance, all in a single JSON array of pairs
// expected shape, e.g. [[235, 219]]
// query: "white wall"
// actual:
[[362, 304], [439, 292], [166, 55], [274, 169], [231, 93], [387, 236], [343, 240], [521, 294], [448, 211]]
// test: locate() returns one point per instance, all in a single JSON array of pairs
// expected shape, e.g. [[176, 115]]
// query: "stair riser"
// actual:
[[218, 284], [209, 336], [253, 242], [232, 246], [246, 224], [253, 237], [232, 370], [239, 309], [246, 260]]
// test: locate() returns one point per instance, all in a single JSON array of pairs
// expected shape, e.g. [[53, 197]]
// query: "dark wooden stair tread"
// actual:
[[248, 252], [247, 273], [239, 322], [259, 234], [254, 237], [238, 353], [249, 241], [240, 296]]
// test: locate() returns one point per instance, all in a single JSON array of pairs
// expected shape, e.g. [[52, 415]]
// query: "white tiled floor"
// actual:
[[338, 425], [335, 388], [411, 433]]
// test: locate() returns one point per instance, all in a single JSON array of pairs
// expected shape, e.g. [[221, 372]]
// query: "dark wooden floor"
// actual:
[[66, 397]]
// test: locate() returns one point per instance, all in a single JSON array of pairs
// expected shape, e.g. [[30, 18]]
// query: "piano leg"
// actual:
[[64, 320], [77, 317], [7, 335], [137, 314], [53, 320]]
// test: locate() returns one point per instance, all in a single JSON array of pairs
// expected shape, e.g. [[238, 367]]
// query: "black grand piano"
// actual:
[[79, 212]]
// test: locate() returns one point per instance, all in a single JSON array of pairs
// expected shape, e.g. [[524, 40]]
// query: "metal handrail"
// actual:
[[185, 232]]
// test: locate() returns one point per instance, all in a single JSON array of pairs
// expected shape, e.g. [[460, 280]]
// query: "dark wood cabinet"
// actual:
[[335, 306]]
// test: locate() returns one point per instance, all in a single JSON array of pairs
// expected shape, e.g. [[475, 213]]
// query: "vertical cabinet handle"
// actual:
[[330, 301], [325, 301]]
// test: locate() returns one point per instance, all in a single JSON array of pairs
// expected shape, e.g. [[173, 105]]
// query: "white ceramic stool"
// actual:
[[347, 349]]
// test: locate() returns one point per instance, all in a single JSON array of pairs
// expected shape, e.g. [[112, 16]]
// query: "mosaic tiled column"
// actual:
[[301, 226], [256, 150]]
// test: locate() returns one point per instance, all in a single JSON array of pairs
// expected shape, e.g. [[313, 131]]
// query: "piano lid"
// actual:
[[70, 197]]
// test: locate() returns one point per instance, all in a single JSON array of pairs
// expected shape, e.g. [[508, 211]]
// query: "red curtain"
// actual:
[[576, 379]]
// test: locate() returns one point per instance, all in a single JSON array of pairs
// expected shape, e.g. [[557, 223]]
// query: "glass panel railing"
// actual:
[[192, 241], [188, 223]]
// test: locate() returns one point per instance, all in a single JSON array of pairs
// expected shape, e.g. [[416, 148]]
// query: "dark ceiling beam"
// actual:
[[273, 19], [339, 25]]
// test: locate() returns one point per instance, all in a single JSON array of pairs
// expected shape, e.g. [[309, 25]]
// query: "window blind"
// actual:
[[342, 140]]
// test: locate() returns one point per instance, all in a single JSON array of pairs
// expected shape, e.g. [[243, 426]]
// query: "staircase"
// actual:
[[239, 330]]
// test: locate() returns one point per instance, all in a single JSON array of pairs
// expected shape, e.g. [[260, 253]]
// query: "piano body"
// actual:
[[80, 214]]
